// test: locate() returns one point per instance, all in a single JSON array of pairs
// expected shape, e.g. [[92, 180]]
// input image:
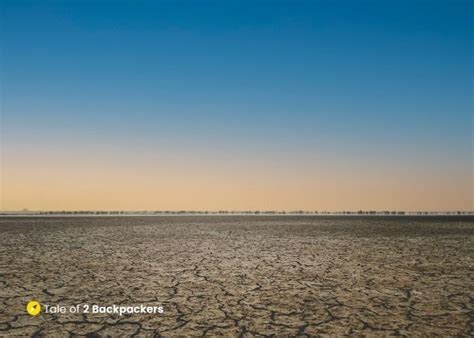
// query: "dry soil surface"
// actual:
[[240, 276]]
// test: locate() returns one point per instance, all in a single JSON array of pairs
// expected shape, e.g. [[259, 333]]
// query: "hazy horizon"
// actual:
[[312, 105], [390, 212]]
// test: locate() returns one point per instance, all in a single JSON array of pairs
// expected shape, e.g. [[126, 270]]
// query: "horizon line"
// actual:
[[234, 212]]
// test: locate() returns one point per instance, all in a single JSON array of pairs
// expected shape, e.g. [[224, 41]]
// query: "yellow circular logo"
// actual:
[[33, 308]]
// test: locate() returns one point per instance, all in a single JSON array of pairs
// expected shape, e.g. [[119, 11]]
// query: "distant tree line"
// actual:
[[237, 212]]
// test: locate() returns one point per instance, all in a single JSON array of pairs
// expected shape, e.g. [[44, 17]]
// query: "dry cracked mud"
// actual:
[[240, 275]]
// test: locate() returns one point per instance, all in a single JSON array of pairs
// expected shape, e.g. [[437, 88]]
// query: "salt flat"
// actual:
[[240, 275]]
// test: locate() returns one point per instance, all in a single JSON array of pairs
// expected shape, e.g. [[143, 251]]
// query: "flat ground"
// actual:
[[243, 275]]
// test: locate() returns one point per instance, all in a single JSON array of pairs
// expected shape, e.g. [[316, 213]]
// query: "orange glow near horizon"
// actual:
[[208, 183]]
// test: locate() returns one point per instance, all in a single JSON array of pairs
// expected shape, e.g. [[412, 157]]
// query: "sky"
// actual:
[[237, 105]]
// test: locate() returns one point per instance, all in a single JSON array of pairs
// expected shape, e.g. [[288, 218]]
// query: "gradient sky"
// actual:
[[317, 105]]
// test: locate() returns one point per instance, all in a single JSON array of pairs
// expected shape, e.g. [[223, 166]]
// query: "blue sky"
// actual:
[[385, 81]]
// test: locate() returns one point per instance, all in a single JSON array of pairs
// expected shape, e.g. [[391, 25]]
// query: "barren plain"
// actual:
[[240, 275]]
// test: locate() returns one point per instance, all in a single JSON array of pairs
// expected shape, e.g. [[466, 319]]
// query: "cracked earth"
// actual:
[[241, 275]]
